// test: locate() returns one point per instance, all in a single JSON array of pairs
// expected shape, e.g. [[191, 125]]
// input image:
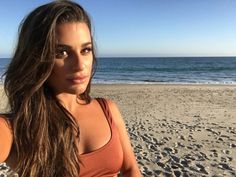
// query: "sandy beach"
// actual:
[[177, 130]]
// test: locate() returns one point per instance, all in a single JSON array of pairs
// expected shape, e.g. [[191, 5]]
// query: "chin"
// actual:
[[80, 89]]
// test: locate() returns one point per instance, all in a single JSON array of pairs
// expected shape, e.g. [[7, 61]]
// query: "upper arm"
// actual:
[[5, 138], [129, 160]]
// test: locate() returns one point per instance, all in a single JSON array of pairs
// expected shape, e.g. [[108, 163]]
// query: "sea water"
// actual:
[[174, 70], [181, 70]]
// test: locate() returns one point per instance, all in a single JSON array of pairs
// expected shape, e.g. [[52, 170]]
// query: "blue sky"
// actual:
[[143, 27]]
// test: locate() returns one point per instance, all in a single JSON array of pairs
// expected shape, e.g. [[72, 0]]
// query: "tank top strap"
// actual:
[[104, 105]]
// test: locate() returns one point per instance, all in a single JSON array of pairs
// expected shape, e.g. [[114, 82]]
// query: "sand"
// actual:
[[177, 130]]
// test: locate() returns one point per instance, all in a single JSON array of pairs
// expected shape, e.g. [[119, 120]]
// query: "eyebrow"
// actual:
[[64, 46], [86, 44]]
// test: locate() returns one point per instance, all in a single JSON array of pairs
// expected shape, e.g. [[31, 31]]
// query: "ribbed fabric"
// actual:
[[107, 160]]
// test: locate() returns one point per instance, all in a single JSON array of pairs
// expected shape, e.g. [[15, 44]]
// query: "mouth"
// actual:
[[78, 80]]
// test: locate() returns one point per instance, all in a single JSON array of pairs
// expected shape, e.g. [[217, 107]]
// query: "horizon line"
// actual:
[[167, 56], [200, 56]]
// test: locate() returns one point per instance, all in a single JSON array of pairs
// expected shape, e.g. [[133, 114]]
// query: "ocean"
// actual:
[[162, 70]]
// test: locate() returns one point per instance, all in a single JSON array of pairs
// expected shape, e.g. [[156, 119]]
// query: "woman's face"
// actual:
[[73, 59]]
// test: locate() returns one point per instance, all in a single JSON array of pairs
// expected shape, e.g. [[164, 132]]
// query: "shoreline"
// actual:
[[163, 84]]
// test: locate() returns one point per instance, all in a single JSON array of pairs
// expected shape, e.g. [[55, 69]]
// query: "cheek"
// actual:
[[61, 66], [89, 65], [58, 71]]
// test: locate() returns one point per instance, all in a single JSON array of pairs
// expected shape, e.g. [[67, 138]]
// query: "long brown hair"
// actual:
[[45, 134]]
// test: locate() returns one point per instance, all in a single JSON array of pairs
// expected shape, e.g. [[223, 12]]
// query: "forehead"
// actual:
[[68, 32]]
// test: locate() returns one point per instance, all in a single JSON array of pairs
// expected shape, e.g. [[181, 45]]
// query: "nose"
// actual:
[[78, 64]]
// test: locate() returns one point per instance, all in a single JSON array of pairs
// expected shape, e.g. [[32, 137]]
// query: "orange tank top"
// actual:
[[107, 160]]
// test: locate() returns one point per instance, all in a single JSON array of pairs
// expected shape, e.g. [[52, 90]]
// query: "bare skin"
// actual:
[[69, 78], [6, 139]]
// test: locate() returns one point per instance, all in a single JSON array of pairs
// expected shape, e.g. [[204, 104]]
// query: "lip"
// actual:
[[78, 79]]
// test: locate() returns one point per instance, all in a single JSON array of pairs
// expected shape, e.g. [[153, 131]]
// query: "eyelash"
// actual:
[[61, 53], [86, 50]]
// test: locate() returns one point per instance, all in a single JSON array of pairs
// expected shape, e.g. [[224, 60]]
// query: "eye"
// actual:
[[86, 50], [61, 54]]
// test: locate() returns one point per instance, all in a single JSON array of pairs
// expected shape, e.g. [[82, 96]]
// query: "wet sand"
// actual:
[[177, 130]]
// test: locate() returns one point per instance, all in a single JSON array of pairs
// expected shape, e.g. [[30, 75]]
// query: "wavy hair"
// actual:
[[45, 133]]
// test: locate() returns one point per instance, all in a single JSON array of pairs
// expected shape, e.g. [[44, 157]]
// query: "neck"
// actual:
[[70, 101]]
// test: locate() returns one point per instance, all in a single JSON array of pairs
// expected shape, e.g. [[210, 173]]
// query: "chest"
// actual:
[[95, 130]]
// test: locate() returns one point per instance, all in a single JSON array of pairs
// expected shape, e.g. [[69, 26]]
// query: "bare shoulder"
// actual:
[[6, 138], [116, 115], [130, 166], [112, 105]]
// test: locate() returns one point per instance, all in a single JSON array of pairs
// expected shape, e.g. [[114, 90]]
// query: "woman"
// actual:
[[54, 127]]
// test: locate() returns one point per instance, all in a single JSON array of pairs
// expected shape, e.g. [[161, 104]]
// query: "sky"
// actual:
[[137, 28]]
